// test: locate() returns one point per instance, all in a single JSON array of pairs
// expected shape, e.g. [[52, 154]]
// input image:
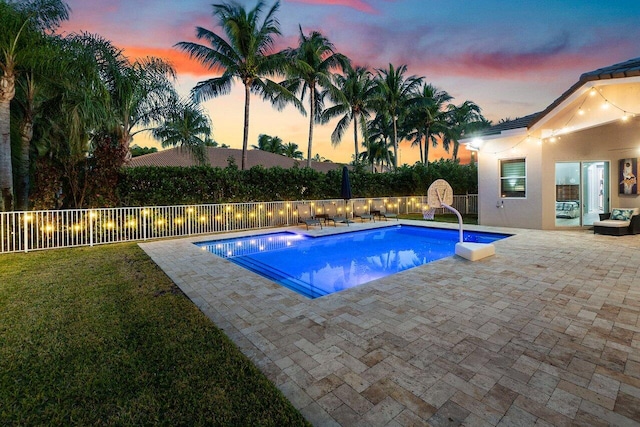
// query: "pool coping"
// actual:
[[442, 339]]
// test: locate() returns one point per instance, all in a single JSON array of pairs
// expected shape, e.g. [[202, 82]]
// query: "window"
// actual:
[[513, 178]]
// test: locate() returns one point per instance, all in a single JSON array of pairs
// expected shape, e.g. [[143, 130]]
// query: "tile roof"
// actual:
[[218, 158], [518, 123], [630, 68]]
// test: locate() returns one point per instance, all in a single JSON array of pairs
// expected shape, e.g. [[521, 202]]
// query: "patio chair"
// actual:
[[380, 210], [305, 216], [361, 210], [618, 222], [331, 212]]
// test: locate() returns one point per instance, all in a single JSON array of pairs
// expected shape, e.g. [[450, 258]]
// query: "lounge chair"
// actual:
[[331, 212], [361, 210], [618, 222], [305, 216], [380, 210]]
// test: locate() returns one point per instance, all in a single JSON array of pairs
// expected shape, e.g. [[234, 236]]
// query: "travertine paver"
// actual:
[[546, 332]]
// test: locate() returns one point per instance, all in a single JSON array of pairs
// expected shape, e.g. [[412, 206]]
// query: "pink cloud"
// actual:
[[360, 5], [182, 63]]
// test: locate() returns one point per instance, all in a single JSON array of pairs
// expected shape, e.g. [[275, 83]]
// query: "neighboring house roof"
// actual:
[[520, 122], [630, 68], [218, 157]]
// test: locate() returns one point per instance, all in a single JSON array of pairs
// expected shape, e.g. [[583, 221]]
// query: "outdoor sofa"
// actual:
[[567, 209], [618, 222]]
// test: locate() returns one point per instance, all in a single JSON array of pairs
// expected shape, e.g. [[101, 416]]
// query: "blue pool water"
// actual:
[[317, 266]]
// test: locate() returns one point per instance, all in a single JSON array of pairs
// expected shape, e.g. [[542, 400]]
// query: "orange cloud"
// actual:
[[182, 63], [360, 5]]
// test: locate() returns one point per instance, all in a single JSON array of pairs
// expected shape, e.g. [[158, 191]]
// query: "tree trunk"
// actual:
[[26, 135], [312, 109], [7, 92], [456, 145], [355, 134], [426, 146], [395, 143], [420, 146], [245, 134]]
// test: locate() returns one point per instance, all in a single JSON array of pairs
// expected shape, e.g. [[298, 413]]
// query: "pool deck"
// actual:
[[546, 332]]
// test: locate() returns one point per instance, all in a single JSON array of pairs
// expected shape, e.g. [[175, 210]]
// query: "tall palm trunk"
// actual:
[[426, 146], [312, 109], [26, 135], [7, 92], [420, 147], [395, 143], [245, 134], [355, 133]]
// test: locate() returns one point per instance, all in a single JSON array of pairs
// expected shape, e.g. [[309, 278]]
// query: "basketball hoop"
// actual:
[[428, 213]]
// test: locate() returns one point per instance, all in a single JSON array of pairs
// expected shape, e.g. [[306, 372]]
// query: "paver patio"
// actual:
[[546, 332]]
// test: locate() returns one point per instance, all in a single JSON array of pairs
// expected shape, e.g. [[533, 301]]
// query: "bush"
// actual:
[[158, 186]]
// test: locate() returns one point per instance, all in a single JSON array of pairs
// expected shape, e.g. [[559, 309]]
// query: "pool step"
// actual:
[[278, 276]]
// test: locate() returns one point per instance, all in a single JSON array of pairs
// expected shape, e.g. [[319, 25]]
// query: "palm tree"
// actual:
[[244, 55], [310, 68], [272, 144], [141, 94], [428, 118], [188, 127], [380, 132], [291, 150], [462, 120], [394, 92], [358, 90], [376, 153], [19, 21]]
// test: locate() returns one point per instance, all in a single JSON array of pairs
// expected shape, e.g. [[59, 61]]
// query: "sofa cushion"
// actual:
[[621, 214], [612, 223]]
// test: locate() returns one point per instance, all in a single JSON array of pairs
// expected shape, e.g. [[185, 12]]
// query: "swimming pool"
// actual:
[[318, 266]]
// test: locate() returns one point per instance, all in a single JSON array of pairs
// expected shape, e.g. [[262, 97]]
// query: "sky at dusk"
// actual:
[[512, 58]]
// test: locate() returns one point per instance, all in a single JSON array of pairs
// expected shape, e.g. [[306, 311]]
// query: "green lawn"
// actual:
[[466, 219], [100, 336]]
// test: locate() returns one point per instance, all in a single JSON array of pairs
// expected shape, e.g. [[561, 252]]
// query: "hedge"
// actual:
[[158, 186]]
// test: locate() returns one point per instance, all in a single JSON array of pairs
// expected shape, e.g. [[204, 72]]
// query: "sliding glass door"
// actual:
[[582, 192]]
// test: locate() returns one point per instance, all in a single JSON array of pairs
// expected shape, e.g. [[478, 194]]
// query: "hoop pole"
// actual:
[[455, 211]]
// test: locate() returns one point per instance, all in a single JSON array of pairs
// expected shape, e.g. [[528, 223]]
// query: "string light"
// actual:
[[555, 134]]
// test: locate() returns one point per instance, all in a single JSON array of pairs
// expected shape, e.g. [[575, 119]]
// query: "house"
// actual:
[[219, 157], [563, 166]]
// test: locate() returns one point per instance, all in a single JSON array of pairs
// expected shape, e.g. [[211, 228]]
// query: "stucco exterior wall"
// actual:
[[494, 210], [610, 142]]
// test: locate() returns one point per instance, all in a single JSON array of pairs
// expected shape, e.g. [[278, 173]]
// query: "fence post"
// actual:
[[26, 232]]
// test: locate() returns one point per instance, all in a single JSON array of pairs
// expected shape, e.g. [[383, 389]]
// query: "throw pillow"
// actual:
[[622, 214]]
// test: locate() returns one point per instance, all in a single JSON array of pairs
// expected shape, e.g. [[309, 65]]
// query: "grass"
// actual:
[[466, 219], [101, 336]]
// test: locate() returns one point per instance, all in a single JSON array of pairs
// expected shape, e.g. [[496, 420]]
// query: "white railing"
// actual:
[[37, 230]]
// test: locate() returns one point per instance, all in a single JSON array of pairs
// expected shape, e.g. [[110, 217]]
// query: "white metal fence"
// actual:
[[37, 230]]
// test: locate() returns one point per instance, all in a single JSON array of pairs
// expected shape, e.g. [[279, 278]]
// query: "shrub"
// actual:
[[158, 186]]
